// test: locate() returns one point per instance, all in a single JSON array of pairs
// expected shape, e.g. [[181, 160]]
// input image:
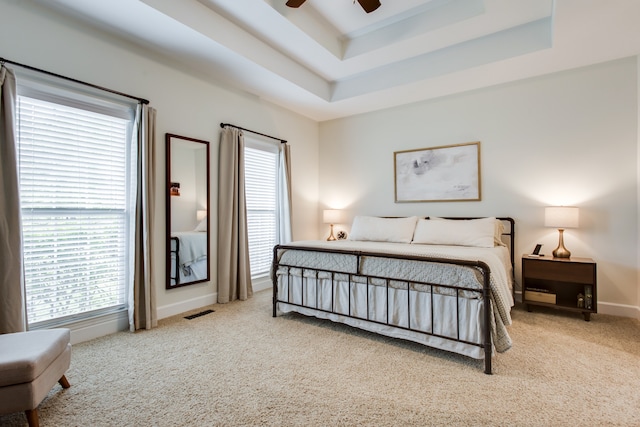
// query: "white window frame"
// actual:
[[273, 148], [52, 89]]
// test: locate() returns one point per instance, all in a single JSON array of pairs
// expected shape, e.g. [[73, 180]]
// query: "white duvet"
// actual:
[[192, 246]]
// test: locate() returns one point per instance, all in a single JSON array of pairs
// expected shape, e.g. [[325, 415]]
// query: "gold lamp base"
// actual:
[[331, 236], [561, 251]]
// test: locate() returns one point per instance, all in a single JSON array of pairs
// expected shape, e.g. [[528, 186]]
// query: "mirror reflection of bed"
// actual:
[[187, 208], [188, 257]]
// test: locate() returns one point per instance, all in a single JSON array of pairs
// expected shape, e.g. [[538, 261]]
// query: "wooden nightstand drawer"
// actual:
[[560, 271]]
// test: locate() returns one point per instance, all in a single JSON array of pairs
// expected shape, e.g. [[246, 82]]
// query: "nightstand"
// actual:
[[562, 283]]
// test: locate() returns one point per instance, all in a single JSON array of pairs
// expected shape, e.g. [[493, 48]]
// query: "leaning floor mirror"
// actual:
[[187, 194]]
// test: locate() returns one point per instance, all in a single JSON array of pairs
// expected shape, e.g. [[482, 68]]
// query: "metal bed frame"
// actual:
[[485, 292], [176, 252]]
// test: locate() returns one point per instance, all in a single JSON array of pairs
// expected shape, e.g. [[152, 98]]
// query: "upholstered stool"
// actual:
[[30, 365]]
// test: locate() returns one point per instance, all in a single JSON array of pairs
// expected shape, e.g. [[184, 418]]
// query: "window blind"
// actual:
[[260, 192], [74, 190]]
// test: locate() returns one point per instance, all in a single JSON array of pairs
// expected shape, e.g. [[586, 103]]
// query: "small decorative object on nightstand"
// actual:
[[580, 301], [588, 298], [560, 283], [341, 235]]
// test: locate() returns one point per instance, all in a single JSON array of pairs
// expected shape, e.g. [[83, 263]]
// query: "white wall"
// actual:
[[186, 106], [638, 173], [569, 138]]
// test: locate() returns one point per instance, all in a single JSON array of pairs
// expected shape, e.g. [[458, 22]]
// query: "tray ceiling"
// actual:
[[329, 59]]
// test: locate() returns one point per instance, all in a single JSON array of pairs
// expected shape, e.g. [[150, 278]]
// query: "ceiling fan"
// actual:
[[368, 5]]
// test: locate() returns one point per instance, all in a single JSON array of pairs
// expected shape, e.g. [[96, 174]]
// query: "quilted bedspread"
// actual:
[[496, 258]]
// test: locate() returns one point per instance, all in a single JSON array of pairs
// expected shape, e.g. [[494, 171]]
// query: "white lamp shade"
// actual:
[[561, 217], [331, 216]]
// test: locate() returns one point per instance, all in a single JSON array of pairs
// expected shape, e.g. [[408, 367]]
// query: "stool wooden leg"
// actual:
[[32, 417], [64, 382]]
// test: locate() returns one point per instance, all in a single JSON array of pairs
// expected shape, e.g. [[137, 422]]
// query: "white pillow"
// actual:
[[202, 226], [461, 232], [376, 229], [497, 237]]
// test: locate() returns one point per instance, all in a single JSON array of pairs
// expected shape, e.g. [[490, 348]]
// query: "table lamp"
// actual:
[[561, 217], [331, 216]]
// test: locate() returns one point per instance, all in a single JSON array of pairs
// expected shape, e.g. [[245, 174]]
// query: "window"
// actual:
[[261, 163], [76, 201]]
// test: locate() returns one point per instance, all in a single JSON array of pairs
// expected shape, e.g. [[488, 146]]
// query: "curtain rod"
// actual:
[[282, 141], [28, 67]]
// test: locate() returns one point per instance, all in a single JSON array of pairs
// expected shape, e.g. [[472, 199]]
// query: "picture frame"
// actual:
[[438, 174]]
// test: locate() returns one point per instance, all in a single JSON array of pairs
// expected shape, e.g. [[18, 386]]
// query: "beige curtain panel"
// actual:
[[234, 274], [284, 195], [12, 304], [142, 309]]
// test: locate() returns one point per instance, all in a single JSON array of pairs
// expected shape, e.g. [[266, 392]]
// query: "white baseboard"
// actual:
[[182, 306], [169, 310], [261, 283], [622, 310], [97, 327]]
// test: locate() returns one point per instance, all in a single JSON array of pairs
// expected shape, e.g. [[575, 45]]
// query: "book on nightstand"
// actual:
[[539, 295]]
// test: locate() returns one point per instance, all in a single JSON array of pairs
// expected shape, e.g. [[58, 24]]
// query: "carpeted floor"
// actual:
[[239, 366]]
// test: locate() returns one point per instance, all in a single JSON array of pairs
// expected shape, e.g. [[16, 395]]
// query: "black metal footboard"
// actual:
[[316, 272]]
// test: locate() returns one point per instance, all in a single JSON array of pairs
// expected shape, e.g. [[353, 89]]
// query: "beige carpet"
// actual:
[[240, 366]]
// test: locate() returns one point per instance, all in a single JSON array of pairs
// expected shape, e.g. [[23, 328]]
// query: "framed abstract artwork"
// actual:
[[438, 174]]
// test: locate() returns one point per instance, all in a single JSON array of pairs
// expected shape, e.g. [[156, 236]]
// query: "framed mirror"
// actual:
[[187, 193]]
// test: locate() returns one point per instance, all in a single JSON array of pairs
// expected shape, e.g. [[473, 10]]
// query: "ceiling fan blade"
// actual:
[[295, 3], [368, 5]]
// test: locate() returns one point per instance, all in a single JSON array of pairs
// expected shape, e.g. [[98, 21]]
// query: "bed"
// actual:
[[188, 257], [426, 280]]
